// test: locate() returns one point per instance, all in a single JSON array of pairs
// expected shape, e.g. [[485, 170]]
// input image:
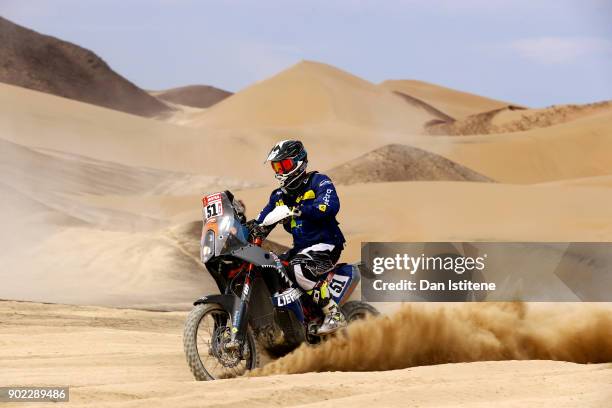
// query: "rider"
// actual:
[[317, 239]]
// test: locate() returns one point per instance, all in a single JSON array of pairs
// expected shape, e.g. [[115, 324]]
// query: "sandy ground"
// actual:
[[128, 358]]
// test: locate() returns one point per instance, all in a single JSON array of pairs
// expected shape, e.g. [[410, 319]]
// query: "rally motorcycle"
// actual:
[[259, 307]]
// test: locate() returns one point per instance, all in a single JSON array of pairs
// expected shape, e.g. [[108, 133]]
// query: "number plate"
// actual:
[[213, 206], [337, 284]]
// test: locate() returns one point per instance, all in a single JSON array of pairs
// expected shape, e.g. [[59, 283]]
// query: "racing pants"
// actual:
[[309, 267]]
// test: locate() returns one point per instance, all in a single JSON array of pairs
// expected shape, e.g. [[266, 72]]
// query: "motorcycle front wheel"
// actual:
[[206, 341]]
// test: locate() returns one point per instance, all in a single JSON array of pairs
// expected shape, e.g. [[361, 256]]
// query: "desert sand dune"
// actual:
[[515, 119], [139, 267], [43, 171], [89, 266], [57, 181], [579, 148], [75, 174], [314, 93], [571, 213], [401, 163], [454, 103], [196, 96], [181, 114], [538, 155], [48, 64], [48, 122], [76, 251], [27, 222], [45, 121], [20, 205], [70, 242], [596, 181], [438, 115]]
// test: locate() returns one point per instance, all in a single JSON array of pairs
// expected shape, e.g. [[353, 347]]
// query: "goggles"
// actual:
[[283, 166]]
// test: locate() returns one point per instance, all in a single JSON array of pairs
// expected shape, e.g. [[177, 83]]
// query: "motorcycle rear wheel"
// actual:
[[357, 310], [206, 332]]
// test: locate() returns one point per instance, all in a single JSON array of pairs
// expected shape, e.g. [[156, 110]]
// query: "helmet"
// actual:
[[288, 159]]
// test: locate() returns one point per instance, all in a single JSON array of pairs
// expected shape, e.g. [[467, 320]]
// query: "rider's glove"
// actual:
[[256, 230], [296, 212]]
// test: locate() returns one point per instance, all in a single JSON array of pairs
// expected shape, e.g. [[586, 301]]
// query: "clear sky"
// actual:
[[532, 52]]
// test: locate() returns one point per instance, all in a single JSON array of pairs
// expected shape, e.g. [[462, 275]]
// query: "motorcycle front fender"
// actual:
[[227, 302]]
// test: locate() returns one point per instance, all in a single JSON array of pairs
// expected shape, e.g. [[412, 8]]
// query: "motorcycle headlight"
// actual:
[[208, 246]]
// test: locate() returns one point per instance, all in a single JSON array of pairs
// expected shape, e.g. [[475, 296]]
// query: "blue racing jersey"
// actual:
[[318, 202]]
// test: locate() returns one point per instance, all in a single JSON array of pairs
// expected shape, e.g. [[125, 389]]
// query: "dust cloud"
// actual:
[[419, 335]]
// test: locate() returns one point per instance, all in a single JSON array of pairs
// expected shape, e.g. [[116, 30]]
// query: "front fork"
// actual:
[[240, 315]]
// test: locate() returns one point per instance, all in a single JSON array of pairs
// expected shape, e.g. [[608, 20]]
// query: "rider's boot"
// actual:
[[334, 318]]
